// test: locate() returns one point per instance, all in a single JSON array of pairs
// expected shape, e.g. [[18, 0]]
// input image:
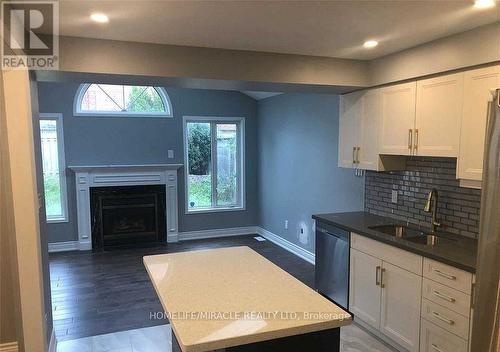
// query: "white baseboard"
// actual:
[[235, 231], [53, 342], [289, 246], [9, 347], [64, 246]]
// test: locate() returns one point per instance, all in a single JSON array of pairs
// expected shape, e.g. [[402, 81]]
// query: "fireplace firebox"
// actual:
[[127, 216]]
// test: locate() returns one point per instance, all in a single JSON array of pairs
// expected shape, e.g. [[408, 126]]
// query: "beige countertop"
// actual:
[[225, 297]]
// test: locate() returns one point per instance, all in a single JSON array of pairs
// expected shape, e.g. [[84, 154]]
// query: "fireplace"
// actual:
[[127, 216]]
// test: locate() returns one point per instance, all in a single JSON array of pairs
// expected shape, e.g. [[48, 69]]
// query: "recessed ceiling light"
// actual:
[[99, 18], [370, 44], [483, 4]]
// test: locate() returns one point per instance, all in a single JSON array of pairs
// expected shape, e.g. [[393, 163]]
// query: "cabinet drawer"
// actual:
[[446, 296], [399, 257], [445, 318], [448, 275], [436, 339]]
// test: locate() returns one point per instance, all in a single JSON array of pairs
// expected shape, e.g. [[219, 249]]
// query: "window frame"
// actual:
[[241, 187], [82, 89], [58, 117]]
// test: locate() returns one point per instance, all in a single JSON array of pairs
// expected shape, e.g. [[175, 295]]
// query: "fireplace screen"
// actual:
[[128, 216]]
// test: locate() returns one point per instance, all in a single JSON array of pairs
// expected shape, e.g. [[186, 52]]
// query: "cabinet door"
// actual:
[[439, 115], [400, 307], [364, 292], [398, 118], [351, 106], [368, 156], [477, 85]]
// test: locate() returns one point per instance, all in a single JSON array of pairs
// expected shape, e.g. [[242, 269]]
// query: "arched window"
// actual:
[[122, 100]]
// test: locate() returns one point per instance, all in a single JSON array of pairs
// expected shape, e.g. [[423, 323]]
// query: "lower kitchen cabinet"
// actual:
[[412, 302], [400, 305], [436, 339], [385, 296], [365, 293]]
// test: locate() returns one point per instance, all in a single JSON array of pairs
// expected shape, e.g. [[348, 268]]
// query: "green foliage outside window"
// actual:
[[145, 100]]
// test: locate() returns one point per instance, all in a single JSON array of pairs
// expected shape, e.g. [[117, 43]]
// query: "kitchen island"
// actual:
[[234, 299]]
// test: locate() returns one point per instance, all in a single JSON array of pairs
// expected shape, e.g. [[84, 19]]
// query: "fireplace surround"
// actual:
[[90, 177]]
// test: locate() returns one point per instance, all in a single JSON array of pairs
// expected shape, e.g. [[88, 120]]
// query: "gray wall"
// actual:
[[112, 140], [298, 173], [475, 47]]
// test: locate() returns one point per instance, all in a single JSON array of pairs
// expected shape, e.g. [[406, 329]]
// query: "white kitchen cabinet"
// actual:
[[367, 154], [436, 339], [400, 306], [477, 85], [351, 107], [364, 290], [438, 116], [360, 119], [398, 119], [385, 296]]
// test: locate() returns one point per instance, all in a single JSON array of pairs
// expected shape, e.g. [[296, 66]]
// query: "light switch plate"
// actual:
[[170, 154], [394, 197]]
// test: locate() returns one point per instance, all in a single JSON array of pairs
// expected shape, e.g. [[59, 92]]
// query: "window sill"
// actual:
[[213, 210]]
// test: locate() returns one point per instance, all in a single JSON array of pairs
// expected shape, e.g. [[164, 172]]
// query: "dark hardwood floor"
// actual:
[[99, 293]]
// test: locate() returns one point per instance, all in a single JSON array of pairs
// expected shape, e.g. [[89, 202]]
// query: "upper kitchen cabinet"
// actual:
[[477, 85], [367, 153], [438, 116], [360, 118], [351, 107], [398, 119]]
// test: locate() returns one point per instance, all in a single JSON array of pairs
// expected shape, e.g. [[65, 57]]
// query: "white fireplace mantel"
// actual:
[[87, 176]]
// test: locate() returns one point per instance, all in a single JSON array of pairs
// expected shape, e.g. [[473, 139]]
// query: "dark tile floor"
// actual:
[[99, 293]]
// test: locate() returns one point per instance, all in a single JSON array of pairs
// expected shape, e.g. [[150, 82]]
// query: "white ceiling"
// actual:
[[327, 28]]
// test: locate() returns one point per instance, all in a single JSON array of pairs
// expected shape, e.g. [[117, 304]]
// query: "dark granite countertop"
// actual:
[[460, 253]]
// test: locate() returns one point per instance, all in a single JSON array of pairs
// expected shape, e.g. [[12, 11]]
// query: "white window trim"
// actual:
[[58, 117], [241, 155], [83, 88]]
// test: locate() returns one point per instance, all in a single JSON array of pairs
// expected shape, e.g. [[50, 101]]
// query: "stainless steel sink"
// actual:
[[412, 234], [400, 231]]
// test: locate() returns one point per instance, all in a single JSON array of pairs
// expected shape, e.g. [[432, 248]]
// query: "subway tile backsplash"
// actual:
[[458, 208]]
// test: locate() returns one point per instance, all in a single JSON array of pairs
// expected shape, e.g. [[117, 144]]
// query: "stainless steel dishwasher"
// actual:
[[332, 263]]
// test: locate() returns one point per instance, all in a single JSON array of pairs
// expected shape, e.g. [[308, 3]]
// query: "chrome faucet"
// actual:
[[431, 207]]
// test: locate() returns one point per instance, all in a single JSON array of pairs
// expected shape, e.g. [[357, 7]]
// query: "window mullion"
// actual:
[[213, 133], [239, 168]]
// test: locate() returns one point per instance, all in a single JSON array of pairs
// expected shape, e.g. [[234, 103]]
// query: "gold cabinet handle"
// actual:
[[377, 272], [436, 348], [382, 271], [410, 139], [448, 276], [416, 140], [440, 317], [357, 154], [354, 155], [445, 297]]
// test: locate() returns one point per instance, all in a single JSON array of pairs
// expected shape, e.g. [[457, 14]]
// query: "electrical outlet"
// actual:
[[286, 224], [170, 154], [303, 233], [394, 197]]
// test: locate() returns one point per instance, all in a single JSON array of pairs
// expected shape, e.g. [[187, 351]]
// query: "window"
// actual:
[[214, 163], [53, 167], [121, 100]]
